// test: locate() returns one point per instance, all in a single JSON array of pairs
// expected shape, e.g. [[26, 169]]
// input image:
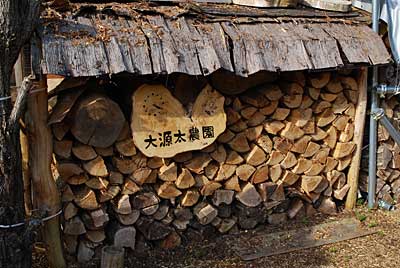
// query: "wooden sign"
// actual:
[[162, 127]]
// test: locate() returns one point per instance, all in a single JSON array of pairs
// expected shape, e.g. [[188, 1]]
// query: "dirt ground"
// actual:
[[378, 250]]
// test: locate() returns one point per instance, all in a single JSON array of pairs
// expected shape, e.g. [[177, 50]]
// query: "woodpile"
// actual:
[[284, 154]]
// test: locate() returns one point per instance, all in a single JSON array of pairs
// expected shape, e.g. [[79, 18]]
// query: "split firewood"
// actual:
[[266, 189], [283, 145], [310, 183], [205, 213], [256, 156], [248, 112], [341, 193], [295, 206], [162, 212], [67, 170], [63, 148], [154, 162], [99, 217], [300, 117], [309, 128], [85, 198], [95, 236], [334, 86], [239, 143], [351, 110], [330, 164], [185, 180], [142, 175], [211, 170], [190, 198], [239, 126], [115, 177], [126, 147], [315, 169], [223, 197], [302, 165], [77, 179], [348, 83], [319, 134], [280, 114], [96, 167], [329, 97], [275, 172], [328, 206], [245, 171], [256, 119], [219, 154], [319, 79], [110, 193], [270, 108], [340, 122], [226, 136], [209, 188], [60, 130], [122, 205], [232, 184], [233, 158], [275, 158], [249, 196], [322, 155], [291, 88], [265, 143], [254, 133], [97, 183], [147, 203], [74, 226], [273, 92], [273, 127], [352, 96], [289, 178], [84, 152], [320, 106], [130, 187], [70, 211], [307, 102], [331, 138], [343, 149], [289, 161], [168, 173], [105, 152], [125, 237], [225, 172], [314, 92], [300, 145], [168, 190], [232, 116], [344, 162], [260, 175], [311, 149], [326, 118], [97, 120], [340, 104], [293, 101], [347, 134], [279, 193], [67, 194]]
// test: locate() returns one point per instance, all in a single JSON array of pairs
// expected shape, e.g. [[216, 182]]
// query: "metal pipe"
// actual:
[[382, 90], [379, 114], [373, 124]]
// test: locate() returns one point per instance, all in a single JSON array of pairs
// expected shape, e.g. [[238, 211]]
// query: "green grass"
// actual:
[[361, 217], [372, 224]]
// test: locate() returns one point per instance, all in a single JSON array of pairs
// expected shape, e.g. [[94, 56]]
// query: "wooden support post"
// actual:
[[112, 257], [44, 191], [353, 174]]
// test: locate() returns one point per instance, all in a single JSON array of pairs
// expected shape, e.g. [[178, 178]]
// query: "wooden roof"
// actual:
[[140, 38]]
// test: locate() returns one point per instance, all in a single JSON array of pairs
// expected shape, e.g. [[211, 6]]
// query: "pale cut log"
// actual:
[[341, 193], [99, 217], [256, 119], [74, 226], [315, 169], [292, 132], [311, 149], [109, 194], [125, 237], [146, 202], [320, 106], [326, 118], [122, 205], [319, 134], [185, 180], [309, 128], [183, 157], [275, 172], [95, 236], [105, 152], [279, 193], [239, 143], [248, 112], [254, 133], [70, 211], [112, 257], [97, 120], [168, 172], [270, 108], [273, 127], [96, 167], [330, 164], [163, 112], [130, 187], [335, 176], [289, 178], [126, 147], [205, 213], [340, 122], [84, 152], [283, 145], [239, 126], [340, 104], [154, 162], [260, 175], [226, 136], [289, 161], [329, 97], [302, 165], [310, 183], [314, 92], [352, 96], [306, 103], [168, 190], [62, 148], [292, 101], [331, 139], [291, 88], [234, 158], [319, 79], [245, 171], [300, 145], [201, 180], [77, 179], [328, 206], [219, 154], [322, 186], [347, 134], [344, 162], [141, 175], [273, 92], [67, 170], [265, 143], [232, 184], [232, 116], [275, 158], [190, 198], [294, 208], [116, 178], [128, 219], [249, 196], [256, 156], [223, 197], [280, 114], [300, 117], [198, 162], [343, 149], [211, 170], [209, 188], [266, 189], [322, 155], [97, 183], [395, 164], [225, 172], [334, 86], [67, 194], [85, 198], [60, 130]]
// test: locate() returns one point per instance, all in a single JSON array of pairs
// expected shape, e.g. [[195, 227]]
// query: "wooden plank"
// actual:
[[359, 120], [266, 3]]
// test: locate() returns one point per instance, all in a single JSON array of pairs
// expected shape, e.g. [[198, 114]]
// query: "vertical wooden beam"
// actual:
[[361, 109], [44, 191]]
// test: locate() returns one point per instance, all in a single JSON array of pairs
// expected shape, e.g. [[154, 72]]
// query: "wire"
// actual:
[[5, 98], [33, 220]]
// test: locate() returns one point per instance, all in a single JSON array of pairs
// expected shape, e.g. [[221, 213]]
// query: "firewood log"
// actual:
[[147, 203], [344, 162], [185, 179], [70, 211], [67, 170], [322, 155], [168, 172], [142, 175], [340, 104], [341, 193], [245, 171], [300, 145], [232, 184], [96, 167], [340, 122], [226, 136], [265, 143], [273, 92], [97, 183], [233, 158], [310, 183], [315, 169], [320, 106], [256, 119], [205, 213], [289, 161], [329, 97], [85, 198], [74, 226], [295, 206], [347, 134], [319, 79], [291, 88], [219, 154], [280, 114], [283, 145], [110, 193], [256, 156], [319, 134], [248, 112], [334, 86], [105, 152], [223, 197], [302, 165], [306, 103], [270, 108], [249, 196], [279, 194], [273, 127], [311, 149], [260, 175], [275, 172], [168, 190], [328, 206], [77, 179], [209, 188], [154, 162], [62, 148], [275, 158], [129, 187], [225, 172], [60, 130], [239, 143], [254, 133], [325, 118], [126, 147], [266, 189], [330, 164], [232, 116], [331, 138], [289, 178], [84, 152], [343, 149], [190, 198], [300, 116]]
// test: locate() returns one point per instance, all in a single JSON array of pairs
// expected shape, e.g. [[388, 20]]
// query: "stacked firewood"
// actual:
[[284, 154]]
